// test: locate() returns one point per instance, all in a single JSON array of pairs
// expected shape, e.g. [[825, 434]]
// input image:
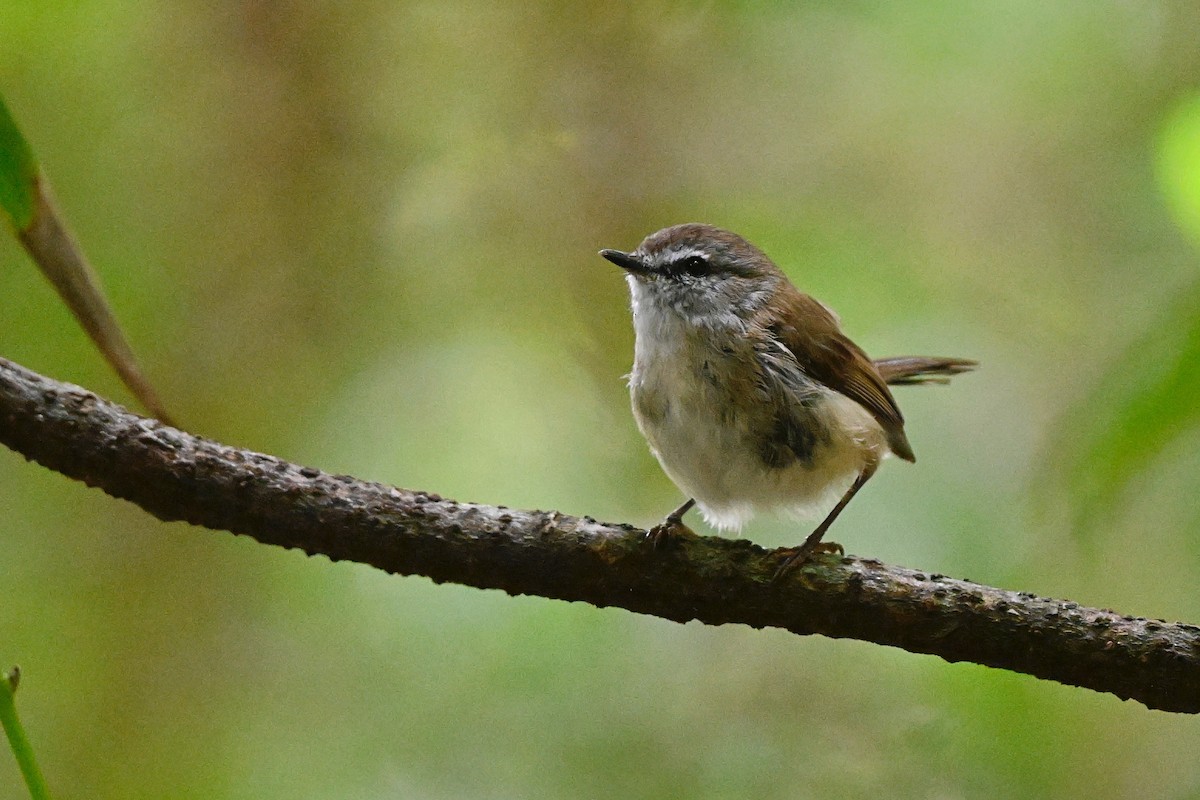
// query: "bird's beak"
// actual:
[[626, 261]]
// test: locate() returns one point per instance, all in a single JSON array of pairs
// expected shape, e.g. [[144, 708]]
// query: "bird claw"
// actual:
[[669, 528], [799, 556]]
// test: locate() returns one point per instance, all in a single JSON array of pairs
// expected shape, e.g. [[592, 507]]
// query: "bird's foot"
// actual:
[[670, 528], [794, 557]]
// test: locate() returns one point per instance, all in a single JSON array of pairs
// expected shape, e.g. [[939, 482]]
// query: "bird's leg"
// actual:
[[796, 556], [671, 526]]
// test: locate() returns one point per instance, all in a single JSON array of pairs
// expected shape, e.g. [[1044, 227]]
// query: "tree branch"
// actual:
[[177, 476]]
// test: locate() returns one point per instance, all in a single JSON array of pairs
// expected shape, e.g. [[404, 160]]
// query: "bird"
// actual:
[[748, 392]]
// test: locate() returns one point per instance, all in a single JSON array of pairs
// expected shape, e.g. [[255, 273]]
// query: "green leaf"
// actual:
[[18, 172], [25, 197]]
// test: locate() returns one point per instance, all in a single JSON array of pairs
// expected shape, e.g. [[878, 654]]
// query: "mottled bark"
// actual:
[[177, 476]]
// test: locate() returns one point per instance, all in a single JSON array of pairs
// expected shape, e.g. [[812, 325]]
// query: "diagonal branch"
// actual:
[[177, 476]]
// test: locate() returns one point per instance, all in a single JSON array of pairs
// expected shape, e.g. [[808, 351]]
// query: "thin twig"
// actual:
[[18, 741]]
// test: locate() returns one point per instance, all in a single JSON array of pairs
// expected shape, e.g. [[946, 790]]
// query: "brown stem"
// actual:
[[177, 476]]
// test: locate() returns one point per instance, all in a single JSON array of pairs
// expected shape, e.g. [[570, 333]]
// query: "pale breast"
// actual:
[[706, 415]]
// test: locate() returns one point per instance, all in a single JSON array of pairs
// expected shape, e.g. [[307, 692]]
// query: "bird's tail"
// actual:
[[907, 370]]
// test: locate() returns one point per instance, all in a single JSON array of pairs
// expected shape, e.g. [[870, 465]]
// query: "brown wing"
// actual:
[[828, 355]]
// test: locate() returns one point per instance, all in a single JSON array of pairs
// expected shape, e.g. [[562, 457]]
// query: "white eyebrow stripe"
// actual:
[[683, 252]]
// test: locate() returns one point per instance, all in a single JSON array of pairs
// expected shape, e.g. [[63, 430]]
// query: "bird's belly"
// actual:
[[713, 452]]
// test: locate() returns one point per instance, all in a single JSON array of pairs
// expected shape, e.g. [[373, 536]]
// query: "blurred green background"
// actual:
[[363, 236]]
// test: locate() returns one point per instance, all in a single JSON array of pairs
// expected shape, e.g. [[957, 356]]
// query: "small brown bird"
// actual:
[[748, 392]]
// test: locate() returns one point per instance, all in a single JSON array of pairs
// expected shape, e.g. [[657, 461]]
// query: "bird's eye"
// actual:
[[694, 265]]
